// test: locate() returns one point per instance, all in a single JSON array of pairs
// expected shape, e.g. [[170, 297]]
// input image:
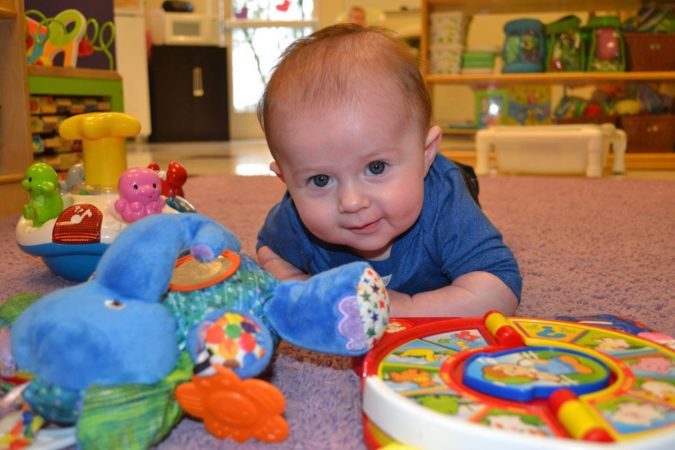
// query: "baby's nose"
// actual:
[[352, 199]]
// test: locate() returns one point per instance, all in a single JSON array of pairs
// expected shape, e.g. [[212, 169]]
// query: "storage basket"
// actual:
[[446, 58], [646, 133], [447, 28], [650, 51]]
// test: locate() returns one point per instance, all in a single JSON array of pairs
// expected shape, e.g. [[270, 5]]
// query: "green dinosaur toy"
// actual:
[[42, 183]]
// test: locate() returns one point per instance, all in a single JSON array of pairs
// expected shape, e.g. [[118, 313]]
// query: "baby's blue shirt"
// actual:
[[452, 237]]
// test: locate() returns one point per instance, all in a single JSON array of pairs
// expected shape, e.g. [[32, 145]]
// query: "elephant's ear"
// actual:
[[140, 262]]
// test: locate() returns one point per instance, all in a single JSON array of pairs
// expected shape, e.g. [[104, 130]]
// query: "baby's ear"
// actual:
[[274, 167], [431, 145]]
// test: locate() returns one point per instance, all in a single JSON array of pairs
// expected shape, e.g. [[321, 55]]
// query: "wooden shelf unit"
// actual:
[[64, 81], [60, 82], [7, 9], [472, 7], [17, 81], [569, 78], [532, 7], [15, 149]]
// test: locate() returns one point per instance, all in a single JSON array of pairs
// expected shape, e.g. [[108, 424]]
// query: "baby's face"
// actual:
[[356, 174]]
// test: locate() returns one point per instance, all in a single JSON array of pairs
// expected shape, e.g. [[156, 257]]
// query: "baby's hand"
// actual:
[[277, 266], [400, 304]]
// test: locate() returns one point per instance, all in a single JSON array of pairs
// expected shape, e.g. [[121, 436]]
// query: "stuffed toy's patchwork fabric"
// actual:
[[125, 339]]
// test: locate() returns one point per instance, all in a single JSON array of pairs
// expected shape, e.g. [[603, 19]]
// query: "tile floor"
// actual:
[[251, 157]]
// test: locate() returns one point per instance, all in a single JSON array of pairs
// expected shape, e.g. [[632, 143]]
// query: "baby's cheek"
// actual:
[[315, 221], [317, 218], [406, 204]]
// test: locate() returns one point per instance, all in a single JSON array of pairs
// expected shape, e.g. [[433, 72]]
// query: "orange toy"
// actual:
[[234, 408]]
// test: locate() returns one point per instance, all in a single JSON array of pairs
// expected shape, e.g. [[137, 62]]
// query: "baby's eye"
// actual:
[[114, 304], [135, 186], [319, 180], [377, 167]]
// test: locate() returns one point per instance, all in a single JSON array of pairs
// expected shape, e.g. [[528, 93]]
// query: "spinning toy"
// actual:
[[70, 232], [103, 138], [107, 355], [523, 383]]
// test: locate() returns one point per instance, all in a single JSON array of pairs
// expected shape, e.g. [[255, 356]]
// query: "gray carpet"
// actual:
[[585, 246]]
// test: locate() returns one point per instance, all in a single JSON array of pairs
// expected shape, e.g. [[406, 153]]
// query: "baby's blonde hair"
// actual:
[[337, 66]]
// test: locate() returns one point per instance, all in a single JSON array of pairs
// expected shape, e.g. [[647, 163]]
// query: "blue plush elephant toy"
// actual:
[[107, 355]]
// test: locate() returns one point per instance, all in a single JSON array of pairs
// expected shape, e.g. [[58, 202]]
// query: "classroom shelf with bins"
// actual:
[[59, 92], [530, 8], [47, 113]]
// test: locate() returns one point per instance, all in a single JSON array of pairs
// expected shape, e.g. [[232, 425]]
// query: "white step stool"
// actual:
[[551, 149]]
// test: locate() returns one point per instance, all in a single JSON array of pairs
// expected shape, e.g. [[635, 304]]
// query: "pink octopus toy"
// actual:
[[139, 190]]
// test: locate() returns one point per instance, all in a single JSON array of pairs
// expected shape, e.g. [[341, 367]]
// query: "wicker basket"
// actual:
[[646, 133], [650, 51]]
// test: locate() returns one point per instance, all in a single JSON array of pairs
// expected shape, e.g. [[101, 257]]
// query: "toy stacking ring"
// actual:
[[190, 274]]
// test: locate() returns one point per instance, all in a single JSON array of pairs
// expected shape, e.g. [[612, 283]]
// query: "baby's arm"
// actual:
[[277, 266], [470, 295]]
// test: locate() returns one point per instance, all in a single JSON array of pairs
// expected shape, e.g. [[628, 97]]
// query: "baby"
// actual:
[[346, 116]]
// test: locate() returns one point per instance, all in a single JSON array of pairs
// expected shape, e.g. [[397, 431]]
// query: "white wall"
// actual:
[[132, 65]]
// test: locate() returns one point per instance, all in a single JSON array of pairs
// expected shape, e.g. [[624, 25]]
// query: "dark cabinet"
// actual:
[[188, 93]]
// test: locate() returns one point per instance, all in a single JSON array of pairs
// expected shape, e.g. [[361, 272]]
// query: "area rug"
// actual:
[[585, 246]]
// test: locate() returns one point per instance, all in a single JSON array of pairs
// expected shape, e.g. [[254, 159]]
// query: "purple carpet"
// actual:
[[585, 246]]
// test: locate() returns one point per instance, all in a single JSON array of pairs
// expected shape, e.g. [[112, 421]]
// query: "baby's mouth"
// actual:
[[366, 228]]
